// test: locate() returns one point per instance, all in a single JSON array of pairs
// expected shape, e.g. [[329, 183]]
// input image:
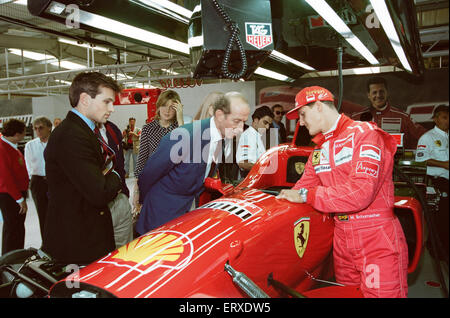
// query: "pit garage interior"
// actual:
[[155, 46]]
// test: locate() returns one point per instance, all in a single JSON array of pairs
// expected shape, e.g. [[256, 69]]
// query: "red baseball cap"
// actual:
[[307, 96]]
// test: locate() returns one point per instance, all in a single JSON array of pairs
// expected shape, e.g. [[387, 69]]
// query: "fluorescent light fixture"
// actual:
[[165, 5], [42, 57], [113, 26], [22, 2], [322, 8], [195, 41], [383, 15], [86, 45], [268, 73], [281, 56]]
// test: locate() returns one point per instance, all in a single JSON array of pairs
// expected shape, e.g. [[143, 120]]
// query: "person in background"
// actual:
[[56, 122], [81, 176], [120, 208], [206, 109], [130, 144], [169, 115], [387, 117], [252, 141], [13, 186], [433, 149], [349, 175], [278, 113], [172, 180], [34, 158]]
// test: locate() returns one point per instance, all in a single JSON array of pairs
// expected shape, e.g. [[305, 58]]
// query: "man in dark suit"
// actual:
[[79, 228], [173, 176]]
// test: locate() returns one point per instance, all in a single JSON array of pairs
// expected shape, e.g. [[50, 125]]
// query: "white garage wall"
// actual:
[[192, 98]]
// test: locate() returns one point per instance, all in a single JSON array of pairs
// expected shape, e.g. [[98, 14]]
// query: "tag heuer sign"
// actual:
[[258, 34]]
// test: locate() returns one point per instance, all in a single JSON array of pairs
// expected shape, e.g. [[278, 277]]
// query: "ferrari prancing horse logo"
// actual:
[[301, 235]]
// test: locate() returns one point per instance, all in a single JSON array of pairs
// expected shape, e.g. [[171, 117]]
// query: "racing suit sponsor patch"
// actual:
[[315, 157], [370, 151], [322, 168], [343, 150], [368, 168], [438, 143]]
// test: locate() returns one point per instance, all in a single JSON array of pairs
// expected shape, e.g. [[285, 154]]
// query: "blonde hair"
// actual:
[[208, 102], [163, 98]]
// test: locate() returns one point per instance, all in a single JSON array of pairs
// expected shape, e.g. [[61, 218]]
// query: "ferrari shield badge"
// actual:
[[315, 157], [299, 167], [301, 235]]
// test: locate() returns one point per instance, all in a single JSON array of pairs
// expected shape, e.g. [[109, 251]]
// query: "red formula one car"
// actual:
[[246, 243]]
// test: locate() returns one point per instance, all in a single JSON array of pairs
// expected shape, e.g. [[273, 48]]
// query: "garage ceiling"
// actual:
[[39, 56]]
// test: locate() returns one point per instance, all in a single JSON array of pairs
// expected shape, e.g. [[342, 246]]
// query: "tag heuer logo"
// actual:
[[258, 34]]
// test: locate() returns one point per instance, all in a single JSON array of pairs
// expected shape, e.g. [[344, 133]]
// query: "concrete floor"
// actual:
[[418, 287]]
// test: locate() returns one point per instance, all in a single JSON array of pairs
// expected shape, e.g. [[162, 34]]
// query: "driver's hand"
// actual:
[[290, 195]]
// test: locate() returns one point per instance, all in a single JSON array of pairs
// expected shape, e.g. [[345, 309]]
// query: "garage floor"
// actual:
[[421, 283]]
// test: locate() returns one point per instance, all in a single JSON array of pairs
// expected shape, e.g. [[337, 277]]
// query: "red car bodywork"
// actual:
[[256, 233]]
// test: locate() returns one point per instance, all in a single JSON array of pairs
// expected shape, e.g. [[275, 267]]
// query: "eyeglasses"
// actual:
[[277, 112]]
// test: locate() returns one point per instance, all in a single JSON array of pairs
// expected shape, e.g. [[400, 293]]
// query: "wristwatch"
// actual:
[[303, 194]]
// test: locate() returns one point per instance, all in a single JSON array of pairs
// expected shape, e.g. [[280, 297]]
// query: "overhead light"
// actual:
[[22, 2], [86, 45], [281, 56], [383, 15], [268, 73], [117, 27], [167, 7], [42, 57], [322, 8], [169, 71]]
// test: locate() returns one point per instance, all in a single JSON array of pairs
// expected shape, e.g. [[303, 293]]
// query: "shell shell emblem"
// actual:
[[159, 249]]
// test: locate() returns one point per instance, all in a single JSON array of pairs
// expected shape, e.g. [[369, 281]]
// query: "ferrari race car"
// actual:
[[245, 243]]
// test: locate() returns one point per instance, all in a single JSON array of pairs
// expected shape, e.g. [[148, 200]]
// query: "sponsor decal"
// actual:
[[299, 167], [391, 125], [368, 168], [322, 168], [438, 143], [370, 151], [343, 150], [420, 154], [258, 35], [21, 161], [316, 157], [168, 249], [310, 98], [301, 235], [343, 217], [421, 146]]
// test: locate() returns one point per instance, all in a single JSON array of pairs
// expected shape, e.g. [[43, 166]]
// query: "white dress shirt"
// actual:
[[215, 152], [251, 146], [34, 157]]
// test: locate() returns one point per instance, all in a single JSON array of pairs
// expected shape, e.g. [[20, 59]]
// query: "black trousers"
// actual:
[[13, 236], [39, 189], [442, 217]]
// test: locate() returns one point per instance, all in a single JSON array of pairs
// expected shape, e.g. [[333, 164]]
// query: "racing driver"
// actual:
[[349, 174]]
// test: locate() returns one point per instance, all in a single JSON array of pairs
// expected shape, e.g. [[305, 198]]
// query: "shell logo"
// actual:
[[162, 248]]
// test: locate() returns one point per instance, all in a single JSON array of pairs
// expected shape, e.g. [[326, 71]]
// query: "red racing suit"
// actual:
[[350, 174], [394, 120]]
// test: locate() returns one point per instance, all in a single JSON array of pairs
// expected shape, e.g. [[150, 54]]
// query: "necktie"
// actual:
[[218, 158], [102, 141]]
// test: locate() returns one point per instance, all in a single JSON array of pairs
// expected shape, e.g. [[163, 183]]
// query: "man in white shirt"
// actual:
[[433, 145], [433, 149], [34, 158], [251, 145]]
